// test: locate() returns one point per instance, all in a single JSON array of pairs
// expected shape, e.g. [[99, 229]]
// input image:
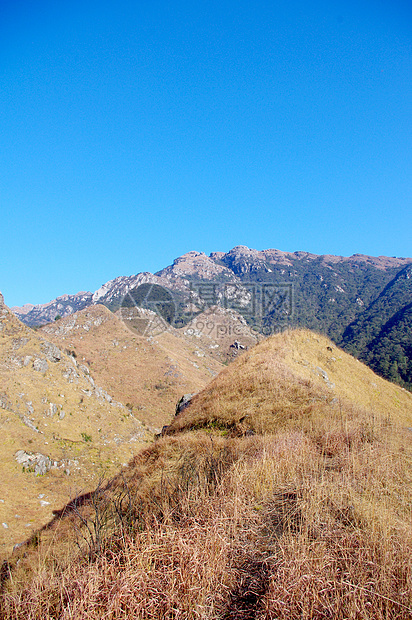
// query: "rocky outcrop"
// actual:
[[53, 353], [183, 403], [242, 260], [197, 265], [34, 462], [40, 365]]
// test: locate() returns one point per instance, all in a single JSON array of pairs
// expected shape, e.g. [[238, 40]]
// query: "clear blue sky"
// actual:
[[132, 132]]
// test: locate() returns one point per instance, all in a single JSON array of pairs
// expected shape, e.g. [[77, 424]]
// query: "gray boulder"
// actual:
[[52, 352], [183, 403], [40, 365]]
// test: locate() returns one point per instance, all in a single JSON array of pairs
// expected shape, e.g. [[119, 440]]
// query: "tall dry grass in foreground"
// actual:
[[309, 517], [285, 526]]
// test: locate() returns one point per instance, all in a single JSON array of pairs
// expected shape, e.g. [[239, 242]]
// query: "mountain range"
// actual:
[[154, 461], [363, 303]]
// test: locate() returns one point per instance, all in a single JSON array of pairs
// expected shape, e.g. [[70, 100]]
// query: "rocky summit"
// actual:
[[237, 266]]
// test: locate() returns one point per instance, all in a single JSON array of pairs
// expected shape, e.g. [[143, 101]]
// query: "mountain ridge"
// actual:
[[79, 397], [32, 314], [281, 491], [272, 290], [60, 428]]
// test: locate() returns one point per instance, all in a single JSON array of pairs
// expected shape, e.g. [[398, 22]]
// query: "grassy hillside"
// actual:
[[283, 491], [82, 395], [297, 379], [149, 374], [60, 430]]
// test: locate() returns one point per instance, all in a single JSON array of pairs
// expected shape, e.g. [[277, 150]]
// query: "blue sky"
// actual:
[[132, 132]]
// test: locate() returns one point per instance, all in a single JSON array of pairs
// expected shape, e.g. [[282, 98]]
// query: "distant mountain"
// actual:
[[45, 313], [272, 290]]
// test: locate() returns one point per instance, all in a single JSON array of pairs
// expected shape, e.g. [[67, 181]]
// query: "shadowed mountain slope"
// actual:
[[381, 336]]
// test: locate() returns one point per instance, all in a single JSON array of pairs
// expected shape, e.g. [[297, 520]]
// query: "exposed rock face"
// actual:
[[234, 267], [242, 260], [183, 403], [116, 289], [272, 290], [53, 354], [195, 264], [22, 310], [40, 365], [37, 462]]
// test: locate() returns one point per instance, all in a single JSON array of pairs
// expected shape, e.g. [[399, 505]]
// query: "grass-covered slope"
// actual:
[[282, 492], [294, 380], [149, 374], [60, 430]]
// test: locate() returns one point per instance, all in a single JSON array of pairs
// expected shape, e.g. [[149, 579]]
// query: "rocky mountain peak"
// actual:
[[188, 255], [242, 265], [242, 259], [216, 255], [194, 264], [243, 250], [22, 310]]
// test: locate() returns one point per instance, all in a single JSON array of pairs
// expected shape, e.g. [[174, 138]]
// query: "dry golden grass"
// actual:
[[280, 383], [149, 374], [149, 377], [83, 432], [311, 517]]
